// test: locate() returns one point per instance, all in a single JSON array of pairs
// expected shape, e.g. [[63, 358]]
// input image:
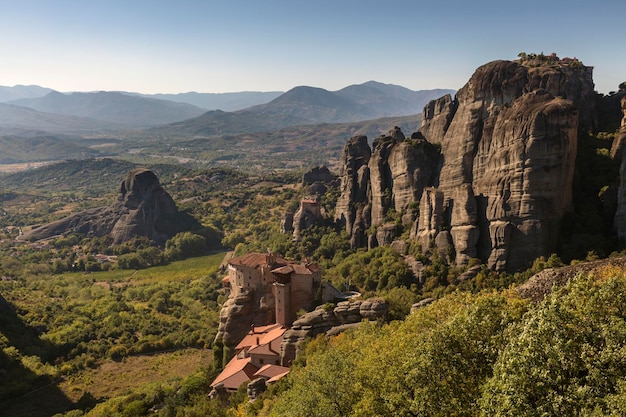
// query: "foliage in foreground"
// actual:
[[467, 355]]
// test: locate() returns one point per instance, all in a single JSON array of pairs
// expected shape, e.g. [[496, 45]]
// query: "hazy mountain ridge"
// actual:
[[395, 99], [22, 91], [219, 101], [305, 105], [301, 105], [14, 119], [112, 107], [316, 105]]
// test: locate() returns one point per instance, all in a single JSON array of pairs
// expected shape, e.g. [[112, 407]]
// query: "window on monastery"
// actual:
[[261, 361]]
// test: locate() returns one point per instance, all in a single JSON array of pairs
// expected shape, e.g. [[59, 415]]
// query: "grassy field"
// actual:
[[117, 378], [109, 380], [187, 269]]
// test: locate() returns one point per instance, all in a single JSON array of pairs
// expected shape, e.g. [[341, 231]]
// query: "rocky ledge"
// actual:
[[330, 320]]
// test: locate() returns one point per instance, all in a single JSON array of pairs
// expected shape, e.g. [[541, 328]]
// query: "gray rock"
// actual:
[[256, 387], [319, 174], [421, 304], [323, 320], [502, 181], [143, 208]]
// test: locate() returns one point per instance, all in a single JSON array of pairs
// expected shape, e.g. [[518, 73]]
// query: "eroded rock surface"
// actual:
[[144, 208], [620, 148], [324, 320], [502, 181]]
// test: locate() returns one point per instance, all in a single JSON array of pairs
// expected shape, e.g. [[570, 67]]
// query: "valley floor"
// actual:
[[110, 379]]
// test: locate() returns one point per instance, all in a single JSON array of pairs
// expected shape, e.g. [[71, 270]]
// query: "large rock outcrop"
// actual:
[[143, 208], [390, 176], [617, 150], [256, 307], [324, 320], [620, 215], [509, 153], [502, 181], [315, 182]]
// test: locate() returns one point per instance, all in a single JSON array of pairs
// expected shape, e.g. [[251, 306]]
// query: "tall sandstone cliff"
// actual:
[[620, 144], [491, 170]]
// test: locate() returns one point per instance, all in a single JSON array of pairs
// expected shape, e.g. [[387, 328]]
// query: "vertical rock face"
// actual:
[[619, 143], [502, 181], [620, 215], [308, 214], [354, 176], [509, 156], [392, 175], [380, 177], [145, 204], [437, 117]]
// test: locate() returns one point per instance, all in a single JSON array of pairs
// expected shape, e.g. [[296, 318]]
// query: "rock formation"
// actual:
[[354, 176], [286, 222], [390, 176], [620, 215], [143, 208], [502, 181], [242, 310], [619, 143], [308, 214], [324, 320], [319, 174], [543, 283], [310, 211]]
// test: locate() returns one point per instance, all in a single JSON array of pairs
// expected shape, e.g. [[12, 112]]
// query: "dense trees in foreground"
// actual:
[[468, 355]]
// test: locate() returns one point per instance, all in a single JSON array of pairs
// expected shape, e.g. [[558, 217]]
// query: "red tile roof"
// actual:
[[270, 371], [276, 377], [269, 344], [260, 332], [262, 340], [254, 260], [236, 372]]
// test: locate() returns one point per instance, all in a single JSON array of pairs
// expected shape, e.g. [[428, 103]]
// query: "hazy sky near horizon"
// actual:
[[159, 46]]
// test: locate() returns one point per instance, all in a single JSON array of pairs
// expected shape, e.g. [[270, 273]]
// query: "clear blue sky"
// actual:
[[158, 46]]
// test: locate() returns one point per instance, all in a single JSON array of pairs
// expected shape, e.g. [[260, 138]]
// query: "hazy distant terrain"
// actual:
[[22, 91], [112, 107], [308, 106], [24, 121], [220, 101], [302, 127]]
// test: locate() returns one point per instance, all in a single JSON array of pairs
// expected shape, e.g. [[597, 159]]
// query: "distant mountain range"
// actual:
[[24, 121], [84, 113], [22, 91], [309, 105], [219, 101], [116, 108]]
